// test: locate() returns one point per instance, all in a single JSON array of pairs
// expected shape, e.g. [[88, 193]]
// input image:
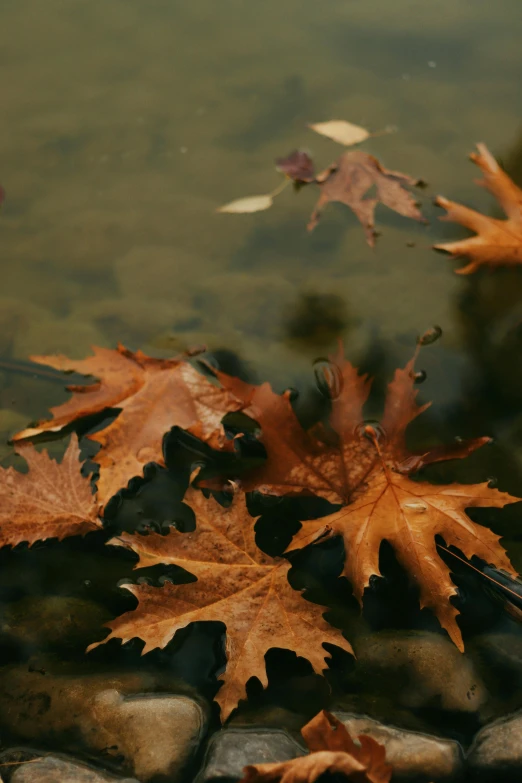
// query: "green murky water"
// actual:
[[126, 123]]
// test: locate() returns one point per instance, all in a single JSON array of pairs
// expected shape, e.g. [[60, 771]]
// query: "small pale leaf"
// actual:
[[248, 204], [342, 132]]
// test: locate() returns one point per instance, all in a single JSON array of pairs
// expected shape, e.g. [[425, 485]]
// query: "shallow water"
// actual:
[[126, 124]]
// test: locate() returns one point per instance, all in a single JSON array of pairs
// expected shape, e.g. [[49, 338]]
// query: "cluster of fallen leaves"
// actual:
[[351, 178], [365, 469], [347, 181], [331, 750]]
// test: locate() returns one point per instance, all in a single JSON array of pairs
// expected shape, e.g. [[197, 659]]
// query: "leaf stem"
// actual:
[[280, 187]]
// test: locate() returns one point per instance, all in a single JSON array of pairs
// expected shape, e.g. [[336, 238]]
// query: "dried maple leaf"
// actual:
[[52, 500], [350, 178], [152, 394], [498, 242], [367, 470], [331, 750], [237, 585]]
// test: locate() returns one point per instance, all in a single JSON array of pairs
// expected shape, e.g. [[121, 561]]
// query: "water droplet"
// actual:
[[371, 430], [164, 579], [143, 580], [419, 376], [292, 393], [328, 378], [430, 336], [459, 439], [87, 582], [415, 505], [124, 581]]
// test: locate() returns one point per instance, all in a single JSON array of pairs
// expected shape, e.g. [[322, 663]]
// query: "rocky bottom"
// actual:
[[165, 738]]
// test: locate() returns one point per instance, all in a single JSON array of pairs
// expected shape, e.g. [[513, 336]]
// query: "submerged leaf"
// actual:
[[248, 204], [497, 242], [332, 750], [341, 131]]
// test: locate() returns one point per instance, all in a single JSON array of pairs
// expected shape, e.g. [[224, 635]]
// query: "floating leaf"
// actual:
[[497, 242], [349, 179], [368, 471], [341, 131], [248, 204], [152, 394], [237, 585], [298, 166], [52, 500]]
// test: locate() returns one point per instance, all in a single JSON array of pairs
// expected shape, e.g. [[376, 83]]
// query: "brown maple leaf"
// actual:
[[331, 750], [52, 500], [497, 242], [350, 178], [237, 585], [367, 470], [153, 395]]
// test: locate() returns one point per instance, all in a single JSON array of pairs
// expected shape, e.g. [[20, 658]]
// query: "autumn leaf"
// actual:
[[497, 242], [341, 131], [153, 395], [331, 750], [298, 166], [52, 500], [237, 585], [367, 470], [349, 179], [248, 204]]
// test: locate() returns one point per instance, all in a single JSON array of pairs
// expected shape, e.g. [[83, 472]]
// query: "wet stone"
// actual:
[[413, 756], [496, 752], [145, 735], [230, 750], [420, 669], [53, 769]]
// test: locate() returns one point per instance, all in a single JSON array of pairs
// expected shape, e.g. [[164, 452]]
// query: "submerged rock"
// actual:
[[421, 669], [53, 769], [413, 756], [230, 750], [496, 752], [145, 735]]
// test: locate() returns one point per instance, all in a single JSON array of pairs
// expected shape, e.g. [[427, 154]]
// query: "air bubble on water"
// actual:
[[143, 580], [164, 579], [329, 378], [430, 336], [459, 439], [419, 376], [416, 506], [87, 582], [492, 482], [125, 581]]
